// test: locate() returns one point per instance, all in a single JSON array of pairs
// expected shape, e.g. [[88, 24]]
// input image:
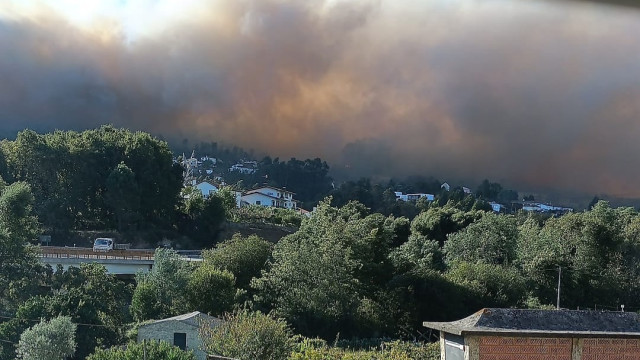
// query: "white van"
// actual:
[[103, 244]]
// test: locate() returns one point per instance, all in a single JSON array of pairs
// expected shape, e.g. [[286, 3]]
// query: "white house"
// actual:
[[206, 189], [245, 167], [542, 207], [181, 331], [413, 197], [445, 186], [466, 190], [495, 206], [271, 197]]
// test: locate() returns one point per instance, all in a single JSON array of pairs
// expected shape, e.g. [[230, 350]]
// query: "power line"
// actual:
[[79, 324]]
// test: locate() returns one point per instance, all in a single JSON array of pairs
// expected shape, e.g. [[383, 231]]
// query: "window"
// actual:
[[258, 202], [180, 340]]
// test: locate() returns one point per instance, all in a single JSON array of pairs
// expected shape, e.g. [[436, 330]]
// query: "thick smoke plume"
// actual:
[[533, 94]]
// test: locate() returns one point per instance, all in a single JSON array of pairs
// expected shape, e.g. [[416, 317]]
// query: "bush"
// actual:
[[248, 336], [53, 340], [312, 349], [135, 351]]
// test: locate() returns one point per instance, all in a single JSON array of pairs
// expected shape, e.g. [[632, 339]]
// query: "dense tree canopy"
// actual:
[[96, 178]]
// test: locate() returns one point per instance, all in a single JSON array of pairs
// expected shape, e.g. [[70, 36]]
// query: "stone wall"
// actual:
[[164, 331]]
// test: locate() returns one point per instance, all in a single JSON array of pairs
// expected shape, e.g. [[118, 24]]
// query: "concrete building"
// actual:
[[413, 197], [206, 189], [181, 331], [496, 334], [271, 197]]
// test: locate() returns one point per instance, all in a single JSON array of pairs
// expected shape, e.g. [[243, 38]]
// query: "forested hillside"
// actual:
[[344, 273], [96, 179]]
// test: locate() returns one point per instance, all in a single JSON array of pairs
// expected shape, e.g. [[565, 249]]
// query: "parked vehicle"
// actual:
[[103, 244]]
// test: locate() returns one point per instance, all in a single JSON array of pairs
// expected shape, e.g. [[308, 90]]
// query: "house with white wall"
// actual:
[[181, 331], [206, 189], [496, 207], [245, 167], [270, 196], [413, 197]]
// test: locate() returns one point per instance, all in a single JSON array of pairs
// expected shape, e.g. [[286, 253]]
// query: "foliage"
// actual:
[[210, 290], [203, 217], [18, 262], [492, 239], [489, 285], [269, 215], [396, 350], [54, 339], [248, 335], [245, 257], [69, 171], [122, 194], [320, 274], [417, 254], [162, 292], [88, 295], [136, 351]]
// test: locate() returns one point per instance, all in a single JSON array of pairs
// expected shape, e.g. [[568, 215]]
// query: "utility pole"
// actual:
[[144, 349], [559, 277]]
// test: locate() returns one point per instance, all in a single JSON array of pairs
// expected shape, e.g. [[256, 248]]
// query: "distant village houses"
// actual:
[[533, 206], [245, 167], [413, 197]]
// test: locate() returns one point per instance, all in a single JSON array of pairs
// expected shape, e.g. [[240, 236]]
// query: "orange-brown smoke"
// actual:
[[532, 94]]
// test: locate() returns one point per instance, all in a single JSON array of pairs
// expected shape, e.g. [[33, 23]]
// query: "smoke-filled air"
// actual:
[[531, 93]]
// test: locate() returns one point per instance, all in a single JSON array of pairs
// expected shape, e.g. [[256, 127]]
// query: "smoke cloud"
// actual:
[[529, 93]]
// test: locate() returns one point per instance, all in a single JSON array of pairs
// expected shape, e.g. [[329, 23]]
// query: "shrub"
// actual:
[[248, 336], [136, 351]]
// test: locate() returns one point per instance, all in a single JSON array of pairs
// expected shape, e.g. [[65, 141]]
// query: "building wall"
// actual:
[[163, 331], [264, 200], [611, 349], [530, 348], [512, 348]]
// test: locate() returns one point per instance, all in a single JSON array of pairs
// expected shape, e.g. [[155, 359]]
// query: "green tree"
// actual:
[[88, 295], [247, 336], [19, 265], [320, 275], [54, 339], [137, 351], [204, 216], [492, 239], [488, 285], [245, 257], [162, 291], [210, 290], [122, 194]]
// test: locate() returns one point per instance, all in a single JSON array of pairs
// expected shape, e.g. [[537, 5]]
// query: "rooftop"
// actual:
[[193, 318], [272, 188], [544, 322]]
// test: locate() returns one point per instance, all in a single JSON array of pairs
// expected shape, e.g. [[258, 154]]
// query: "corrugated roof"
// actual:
[[540, 322]]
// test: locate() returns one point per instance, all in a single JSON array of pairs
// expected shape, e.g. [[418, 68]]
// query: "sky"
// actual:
[[533, 94]]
